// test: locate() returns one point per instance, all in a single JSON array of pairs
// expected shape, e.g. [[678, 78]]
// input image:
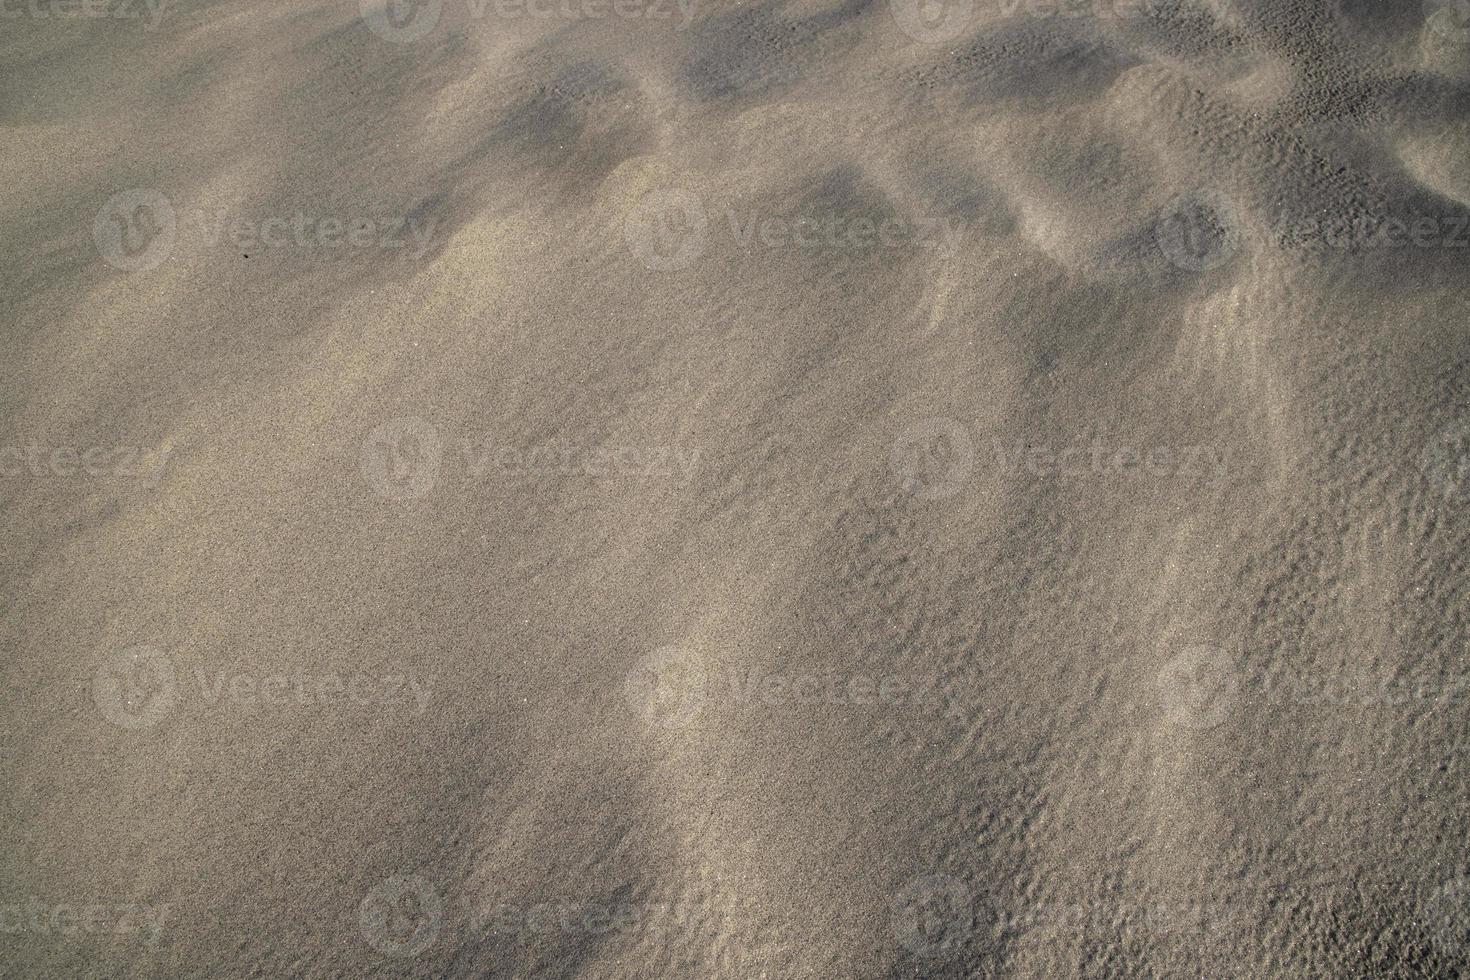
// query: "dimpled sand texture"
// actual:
[[666, 488]]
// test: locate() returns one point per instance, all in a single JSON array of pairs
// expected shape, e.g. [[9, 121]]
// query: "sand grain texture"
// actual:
[[809, 489]]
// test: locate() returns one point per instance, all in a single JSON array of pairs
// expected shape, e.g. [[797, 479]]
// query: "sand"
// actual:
[[809, 489]]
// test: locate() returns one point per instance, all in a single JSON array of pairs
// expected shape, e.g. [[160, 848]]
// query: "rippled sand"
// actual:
[[809, 489]]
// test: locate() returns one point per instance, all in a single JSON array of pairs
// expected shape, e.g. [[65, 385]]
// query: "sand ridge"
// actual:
[[824, 488]]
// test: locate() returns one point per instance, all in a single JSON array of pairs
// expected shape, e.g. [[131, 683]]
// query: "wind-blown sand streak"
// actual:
[[822, 488]]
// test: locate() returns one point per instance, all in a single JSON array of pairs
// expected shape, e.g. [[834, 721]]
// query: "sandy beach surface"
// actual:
[[658, 488]]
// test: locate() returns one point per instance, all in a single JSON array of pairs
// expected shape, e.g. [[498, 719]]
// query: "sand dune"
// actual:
[[834, 488]]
